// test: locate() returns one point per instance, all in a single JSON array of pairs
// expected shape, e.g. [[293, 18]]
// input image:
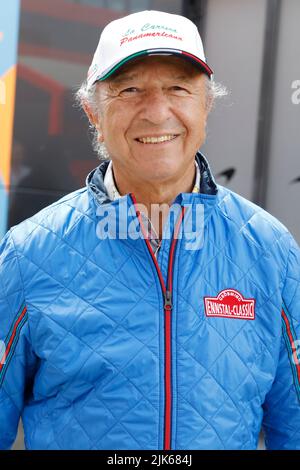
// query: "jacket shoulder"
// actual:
[[251, 219], [57, 218]]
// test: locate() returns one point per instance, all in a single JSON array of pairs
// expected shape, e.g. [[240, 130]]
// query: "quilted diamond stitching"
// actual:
[[209, 424], [241, 328], [228, 345], [221, 386], [120, 371]]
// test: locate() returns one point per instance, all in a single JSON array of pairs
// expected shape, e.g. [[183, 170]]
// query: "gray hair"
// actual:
[[88, 96]]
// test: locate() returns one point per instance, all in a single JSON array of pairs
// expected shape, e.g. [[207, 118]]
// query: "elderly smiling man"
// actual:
[[128, 326]]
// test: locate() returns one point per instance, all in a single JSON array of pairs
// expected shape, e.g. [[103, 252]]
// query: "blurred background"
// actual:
[[253, 140]]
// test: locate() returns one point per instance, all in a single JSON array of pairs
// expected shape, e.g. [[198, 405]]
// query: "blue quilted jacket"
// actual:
[[105, 346]]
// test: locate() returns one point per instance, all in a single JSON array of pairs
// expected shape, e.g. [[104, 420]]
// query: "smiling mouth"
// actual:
[[157, 140]]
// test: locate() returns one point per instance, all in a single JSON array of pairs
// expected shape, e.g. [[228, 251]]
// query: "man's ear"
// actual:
[[94, 121], [93, 118]]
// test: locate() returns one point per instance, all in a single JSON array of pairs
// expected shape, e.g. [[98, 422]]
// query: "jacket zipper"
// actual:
[[167, 295]]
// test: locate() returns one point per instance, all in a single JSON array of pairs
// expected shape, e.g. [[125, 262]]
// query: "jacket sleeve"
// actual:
[[17, 361], [281, 422]]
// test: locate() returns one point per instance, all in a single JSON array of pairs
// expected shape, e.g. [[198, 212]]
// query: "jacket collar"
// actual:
[[96, 187]]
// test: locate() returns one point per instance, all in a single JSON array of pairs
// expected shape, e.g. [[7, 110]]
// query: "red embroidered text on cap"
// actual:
[[230, 303]]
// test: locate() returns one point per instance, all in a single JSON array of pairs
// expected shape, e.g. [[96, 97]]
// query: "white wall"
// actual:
[[234, 46], [283, 198]]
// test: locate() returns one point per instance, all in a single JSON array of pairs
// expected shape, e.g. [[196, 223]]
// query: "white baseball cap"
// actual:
[[147, 32]]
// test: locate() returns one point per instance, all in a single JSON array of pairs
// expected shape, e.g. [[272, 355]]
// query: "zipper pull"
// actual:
[[168, 300]]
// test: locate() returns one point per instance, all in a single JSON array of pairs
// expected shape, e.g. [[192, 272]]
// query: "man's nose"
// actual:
[[156, 107]]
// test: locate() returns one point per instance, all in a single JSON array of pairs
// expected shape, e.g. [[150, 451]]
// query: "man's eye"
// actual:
[[129, 90], [179, 89]]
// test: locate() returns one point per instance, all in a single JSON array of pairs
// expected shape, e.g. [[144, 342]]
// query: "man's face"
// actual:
[[153, 116]]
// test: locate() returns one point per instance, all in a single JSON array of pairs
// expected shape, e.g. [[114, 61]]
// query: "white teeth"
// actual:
[[155, 140]]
